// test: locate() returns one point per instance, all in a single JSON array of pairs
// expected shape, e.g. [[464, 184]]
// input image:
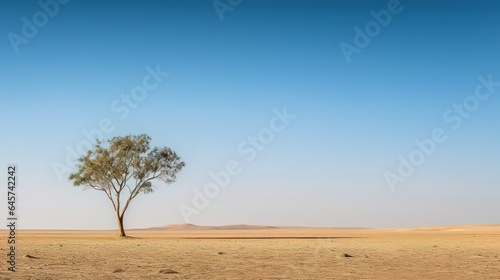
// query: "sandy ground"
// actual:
[[274, 253]]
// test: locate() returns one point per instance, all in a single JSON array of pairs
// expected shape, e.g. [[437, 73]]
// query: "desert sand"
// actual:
[[254, 252]]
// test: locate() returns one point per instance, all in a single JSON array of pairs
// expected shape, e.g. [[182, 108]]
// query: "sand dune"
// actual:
[[191, 227], [242, 227], [464, 228]]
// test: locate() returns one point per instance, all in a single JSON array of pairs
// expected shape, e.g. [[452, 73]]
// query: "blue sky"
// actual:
[[225, 79]]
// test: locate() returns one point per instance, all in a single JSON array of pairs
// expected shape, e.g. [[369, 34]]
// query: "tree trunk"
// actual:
[[120, 226]]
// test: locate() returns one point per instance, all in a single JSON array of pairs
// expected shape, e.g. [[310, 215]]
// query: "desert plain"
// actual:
[[255, 252]]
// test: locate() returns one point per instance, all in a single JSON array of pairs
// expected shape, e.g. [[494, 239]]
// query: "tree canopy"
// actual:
[[124, 167]]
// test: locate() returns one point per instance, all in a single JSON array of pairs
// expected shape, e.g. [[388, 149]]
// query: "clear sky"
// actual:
[[328, 167]]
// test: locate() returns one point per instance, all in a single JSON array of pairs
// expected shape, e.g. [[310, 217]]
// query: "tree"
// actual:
[[124, 168]]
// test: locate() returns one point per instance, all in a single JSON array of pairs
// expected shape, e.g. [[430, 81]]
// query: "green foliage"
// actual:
[[125, 166]]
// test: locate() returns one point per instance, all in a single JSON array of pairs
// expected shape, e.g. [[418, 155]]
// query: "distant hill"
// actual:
[[191, 227], [460, 228]]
